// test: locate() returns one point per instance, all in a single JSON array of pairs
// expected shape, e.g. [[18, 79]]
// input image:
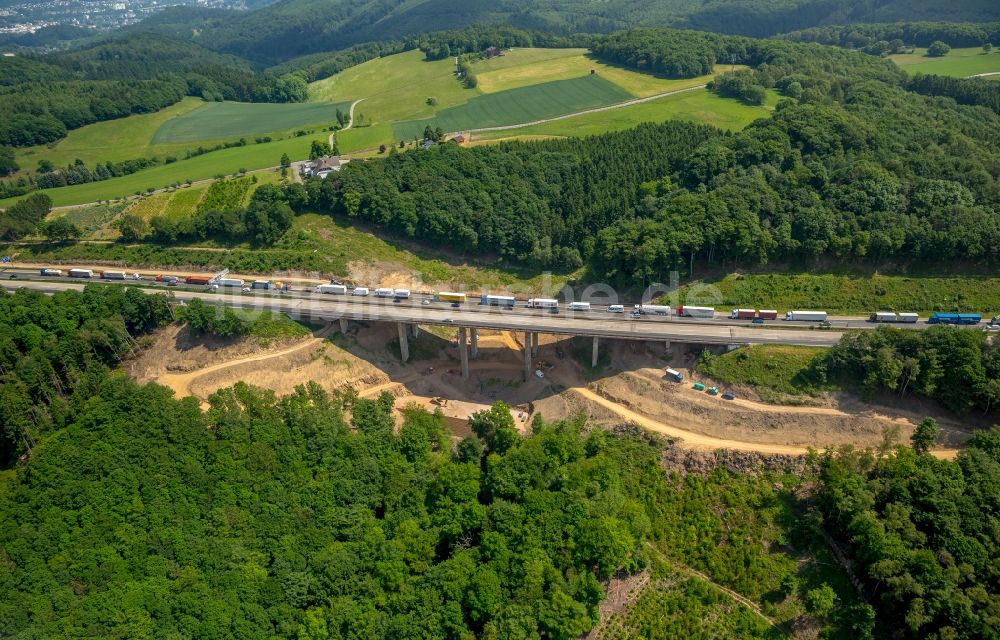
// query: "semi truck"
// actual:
[[197, 279], [742, 314], [955, 318], [653, 309], [768, 314], [383, 292], [806, 316], [50, 272], [361, 292], [451, 296], [579, 306], [696, 312], [261, 284], [543, 303], [81, 273], [892, 316], [332, 288], [675, 375], [113, 275], [498, 301], [401, 294], [229, 282]]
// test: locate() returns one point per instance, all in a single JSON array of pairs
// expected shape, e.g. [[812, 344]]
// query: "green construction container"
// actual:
[[699, 386]]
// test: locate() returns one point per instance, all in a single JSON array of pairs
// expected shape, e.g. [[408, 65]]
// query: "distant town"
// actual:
[[28, 17]]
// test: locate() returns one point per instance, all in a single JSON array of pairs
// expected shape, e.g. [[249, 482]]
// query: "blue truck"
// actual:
[[955, 318]]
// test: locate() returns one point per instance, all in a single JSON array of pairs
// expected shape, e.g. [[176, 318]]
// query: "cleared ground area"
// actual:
[[236, 119], [959, 63]]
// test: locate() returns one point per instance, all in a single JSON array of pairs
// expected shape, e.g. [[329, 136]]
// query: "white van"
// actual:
[[360, 291], [616, 308]]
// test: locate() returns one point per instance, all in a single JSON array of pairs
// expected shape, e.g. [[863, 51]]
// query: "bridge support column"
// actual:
[[416, 329], [474, 335], [343, 325], [593, 357], [463, 352], [534, 343], [527, 356], [404, 345], [666, 345]]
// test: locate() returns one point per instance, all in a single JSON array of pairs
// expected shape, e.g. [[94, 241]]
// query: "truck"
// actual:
[[166, 278], [197, 279], [742, 314], [543, 303], [261, 284], [616, 308], [401, 294], [81, 273], [579, 306], [498, 301], [955, 318], [675, 375], [652, 309], [50, 272], [384, 292], [113, 275], [230, 282], [806, 316], [451, 296], [331, 288], [768, 314], [696, 312], [883, 316], [361, 292]]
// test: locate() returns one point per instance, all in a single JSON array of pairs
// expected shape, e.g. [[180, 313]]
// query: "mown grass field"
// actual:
[[524, 104], [697, 106], [395, 88], [184, 201], [959, 63], [525, 67], [857, 294], [774, 371], [232, 120]]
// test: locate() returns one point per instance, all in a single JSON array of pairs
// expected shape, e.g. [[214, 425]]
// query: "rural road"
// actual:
[[986, 75], [350, 120], [610, 107]]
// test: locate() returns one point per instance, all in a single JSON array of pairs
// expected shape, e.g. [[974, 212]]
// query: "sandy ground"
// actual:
[[632, 390]]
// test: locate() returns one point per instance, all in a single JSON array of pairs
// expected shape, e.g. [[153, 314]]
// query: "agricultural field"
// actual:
[[853, 294], [774, 371], [525, 67], [959, 63], [92, 220], [226, 194], [525, 104], [231, 120], [222, 162], [698, 105], [111, 140], [395, 88], [183, 202]]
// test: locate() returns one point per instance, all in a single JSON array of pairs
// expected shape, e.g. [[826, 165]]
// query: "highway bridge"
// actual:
[[470, 317]]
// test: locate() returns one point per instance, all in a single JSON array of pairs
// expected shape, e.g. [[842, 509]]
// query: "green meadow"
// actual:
[[959, 63], [227, 120]]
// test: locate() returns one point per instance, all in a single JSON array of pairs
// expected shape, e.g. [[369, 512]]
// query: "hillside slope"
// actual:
[[296, 27]]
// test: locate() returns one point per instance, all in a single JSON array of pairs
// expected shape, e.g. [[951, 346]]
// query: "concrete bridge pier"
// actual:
[[343, 325], [593, 357], [534, 343], [474, 334], [416, 329], [463, 352], [404, 345], [527, 356]]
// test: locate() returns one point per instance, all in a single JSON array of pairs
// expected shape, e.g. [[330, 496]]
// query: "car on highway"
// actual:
[[825, 324], [636, 315], [449, 320], [616, 308], [728, 396], [425, 302], [757, 321], [992, 327]]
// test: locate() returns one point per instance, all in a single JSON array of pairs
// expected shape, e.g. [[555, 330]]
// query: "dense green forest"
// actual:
[[909, 34], [135, 514], [294, 28], [42, 98]]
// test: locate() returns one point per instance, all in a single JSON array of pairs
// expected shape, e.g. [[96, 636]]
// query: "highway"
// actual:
[[597, 323]]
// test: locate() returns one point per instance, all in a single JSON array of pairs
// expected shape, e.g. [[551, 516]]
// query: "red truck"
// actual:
[[197, 279]]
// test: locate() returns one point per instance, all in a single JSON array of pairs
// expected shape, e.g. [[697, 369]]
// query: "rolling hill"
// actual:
[[296, 27]]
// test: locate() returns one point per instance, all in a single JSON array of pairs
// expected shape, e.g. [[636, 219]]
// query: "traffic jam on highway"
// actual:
[[551, 305]]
